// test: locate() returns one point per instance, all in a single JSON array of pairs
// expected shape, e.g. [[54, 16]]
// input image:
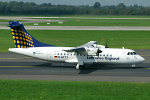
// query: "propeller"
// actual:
[[99, 51]]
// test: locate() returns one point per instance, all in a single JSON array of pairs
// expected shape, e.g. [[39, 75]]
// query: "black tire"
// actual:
[[81, 67]]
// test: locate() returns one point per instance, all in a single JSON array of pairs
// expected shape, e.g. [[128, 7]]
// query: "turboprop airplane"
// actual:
[[89, 53]]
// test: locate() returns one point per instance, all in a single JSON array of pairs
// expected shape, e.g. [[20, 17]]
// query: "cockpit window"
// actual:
[[128, 53], [131, 53], [134, 53]]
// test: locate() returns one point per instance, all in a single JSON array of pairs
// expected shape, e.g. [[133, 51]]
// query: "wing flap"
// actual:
[[78, 50]]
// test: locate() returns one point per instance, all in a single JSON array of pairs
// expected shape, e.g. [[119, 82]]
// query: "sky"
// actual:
[[88, 2]]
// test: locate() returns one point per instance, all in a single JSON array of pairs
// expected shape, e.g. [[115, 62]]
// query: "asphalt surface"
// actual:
[[82, 28], [26, 20], [19, 67]]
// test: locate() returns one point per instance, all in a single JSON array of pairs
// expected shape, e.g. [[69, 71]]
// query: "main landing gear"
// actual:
[[80, 67]]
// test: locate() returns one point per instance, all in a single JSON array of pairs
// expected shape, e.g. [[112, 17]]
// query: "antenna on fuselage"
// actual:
[[106, 43]]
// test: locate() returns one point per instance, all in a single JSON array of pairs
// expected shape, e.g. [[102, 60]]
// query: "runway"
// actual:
[[83, 28], [19, 67]]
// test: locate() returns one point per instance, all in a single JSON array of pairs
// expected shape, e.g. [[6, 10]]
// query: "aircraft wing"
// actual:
[[75, 49], [82, 49], [89, 44]]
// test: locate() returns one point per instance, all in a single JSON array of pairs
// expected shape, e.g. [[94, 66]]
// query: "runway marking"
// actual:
[[18, 58], [17, 66], [8, 58], [145, 55]]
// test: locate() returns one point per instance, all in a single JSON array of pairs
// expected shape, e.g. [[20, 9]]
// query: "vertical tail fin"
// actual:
[[22, 38]]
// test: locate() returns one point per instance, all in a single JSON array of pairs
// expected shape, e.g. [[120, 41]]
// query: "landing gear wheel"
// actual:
[[77, 67], [81, 67]]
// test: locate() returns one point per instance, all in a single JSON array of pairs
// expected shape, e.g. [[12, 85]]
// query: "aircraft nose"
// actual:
[[142, 59]]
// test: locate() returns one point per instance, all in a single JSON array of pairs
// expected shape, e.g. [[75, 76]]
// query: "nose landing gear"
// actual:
[[133, 66]]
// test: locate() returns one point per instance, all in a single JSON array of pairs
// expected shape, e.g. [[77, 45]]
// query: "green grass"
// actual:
[[115, 39], [2, 20], [67, 90], [97, 22], [85, 16]]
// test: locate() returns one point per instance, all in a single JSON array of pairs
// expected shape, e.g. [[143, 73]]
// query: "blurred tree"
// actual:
[[97, 5], [121, 6], [31, 8]]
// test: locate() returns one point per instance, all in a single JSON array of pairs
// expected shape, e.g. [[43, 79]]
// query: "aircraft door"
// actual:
[[128, 56], [107, 57], [48, 56], [100, 58]]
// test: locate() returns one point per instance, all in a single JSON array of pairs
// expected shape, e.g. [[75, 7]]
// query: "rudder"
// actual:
[[22, 38]]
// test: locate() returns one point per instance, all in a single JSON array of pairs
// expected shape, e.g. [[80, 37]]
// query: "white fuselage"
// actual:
[[57, 54]]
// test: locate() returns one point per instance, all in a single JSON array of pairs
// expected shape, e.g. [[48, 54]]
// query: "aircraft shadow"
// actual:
[[87, 69], [93, 68], [56, 65]]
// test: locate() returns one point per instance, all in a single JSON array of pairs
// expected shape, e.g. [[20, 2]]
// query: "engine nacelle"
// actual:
[[91, 51], [99, 46]]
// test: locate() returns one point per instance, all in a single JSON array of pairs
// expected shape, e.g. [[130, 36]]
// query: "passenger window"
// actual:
[[110, 55], [128, 53], [57, 53], [64, 53], [131, 53], [104, 55], [61, 54], [67, 53]]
